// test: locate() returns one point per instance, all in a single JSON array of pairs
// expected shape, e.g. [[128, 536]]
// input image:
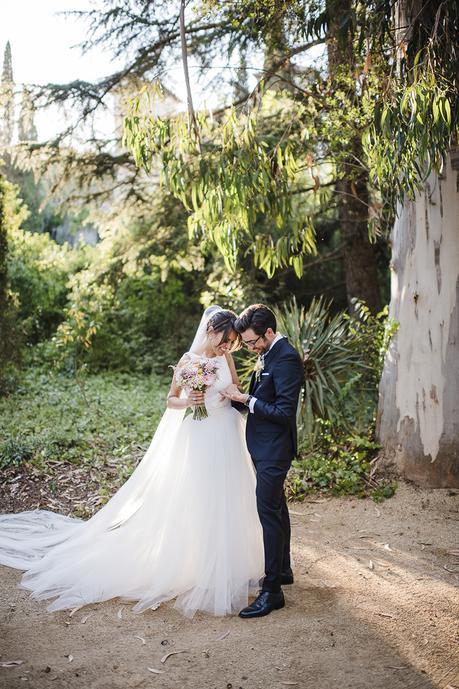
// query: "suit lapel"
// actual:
[[269, 361]]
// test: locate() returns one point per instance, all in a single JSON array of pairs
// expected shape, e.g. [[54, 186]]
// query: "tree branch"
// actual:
[[186, 73], [267, 73]]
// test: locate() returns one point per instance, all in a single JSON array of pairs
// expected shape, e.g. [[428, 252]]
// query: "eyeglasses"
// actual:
[[252, 343]]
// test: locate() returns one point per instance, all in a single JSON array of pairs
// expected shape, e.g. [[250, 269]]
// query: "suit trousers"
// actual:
[[275, 520]]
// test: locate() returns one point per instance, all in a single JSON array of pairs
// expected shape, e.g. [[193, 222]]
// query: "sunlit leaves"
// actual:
[[412, 130], [226, 184], [416, 116]]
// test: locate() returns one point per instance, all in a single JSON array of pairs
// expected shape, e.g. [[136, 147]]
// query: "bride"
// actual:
[[184, 526]]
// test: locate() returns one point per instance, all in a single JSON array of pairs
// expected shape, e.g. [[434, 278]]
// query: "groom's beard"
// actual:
[[264, 349]]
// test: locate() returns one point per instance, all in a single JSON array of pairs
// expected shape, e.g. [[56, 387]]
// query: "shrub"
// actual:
[[15, 450], [39, 272], [339, 463], [139, 324], [12, 213]]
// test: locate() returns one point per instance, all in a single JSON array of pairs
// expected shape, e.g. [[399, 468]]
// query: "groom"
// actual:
[[271, 439]]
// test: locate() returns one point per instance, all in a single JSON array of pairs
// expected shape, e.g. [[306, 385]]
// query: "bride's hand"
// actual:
[[196, 399]]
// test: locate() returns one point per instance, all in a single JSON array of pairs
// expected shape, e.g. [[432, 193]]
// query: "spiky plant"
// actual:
[[332, 363]]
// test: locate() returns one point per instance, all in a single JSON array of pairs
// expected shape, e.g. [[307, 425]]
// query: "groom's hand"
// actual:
[[233, 393]]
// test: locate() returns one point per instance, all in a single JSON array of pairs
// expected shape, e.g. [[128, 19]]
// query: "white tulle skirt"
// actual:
[[184, 526]]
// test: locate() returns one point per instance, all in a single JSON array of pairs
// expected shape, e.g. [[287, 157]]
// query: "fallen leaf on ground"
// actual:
[[452, 571], [72, 612], [155, 671], [172, 653], [222, 636], [11, 663]]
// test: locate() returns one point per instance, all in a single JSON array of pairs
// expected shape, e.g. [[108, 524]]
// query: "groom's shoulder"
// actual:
[[288, 351], [288, 348]]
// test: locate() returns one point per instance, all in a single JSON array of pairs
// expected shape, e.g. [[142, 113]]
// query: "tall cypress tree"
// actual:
[[7, 99], [26, 127]]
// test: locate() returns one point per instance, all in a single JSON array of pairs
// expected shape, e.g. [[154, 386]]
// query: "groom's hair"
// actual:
[[258, 317]]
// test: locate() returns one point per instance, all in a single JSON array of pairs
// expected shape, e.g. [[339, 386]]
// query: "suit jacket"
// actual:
[[271, 429]]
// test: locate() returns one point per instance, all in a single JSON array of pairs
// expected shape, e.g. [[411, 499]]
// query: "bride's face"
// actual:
[[218, 344]]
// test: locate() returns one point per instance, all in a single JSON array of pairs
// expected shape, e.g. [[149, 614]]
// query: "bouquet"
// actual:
[[197, 376]]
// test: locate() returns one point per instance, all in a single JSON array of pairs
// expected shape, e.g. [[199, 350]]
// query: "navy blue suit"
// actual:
[[272, 442]]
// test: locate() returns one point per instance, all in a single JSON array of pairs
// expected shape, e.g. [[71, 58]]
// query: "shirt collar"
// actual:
[[276, 339]]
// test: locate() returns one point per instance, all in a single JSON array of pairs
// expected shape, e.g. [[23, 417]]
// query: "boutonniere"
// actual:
[[259, 367]]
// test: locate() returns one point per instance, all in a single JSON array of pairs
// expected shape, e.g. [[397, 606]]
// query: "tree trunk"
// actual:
[[418, 417], [360, 266]]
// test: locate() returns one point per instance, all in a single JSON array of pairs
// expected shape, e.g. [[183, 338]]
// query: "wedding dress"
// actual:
[[184, 526]]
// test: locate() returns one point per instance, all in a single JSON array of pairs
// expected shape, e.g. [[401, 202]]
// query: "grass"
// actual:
[[102, 425]]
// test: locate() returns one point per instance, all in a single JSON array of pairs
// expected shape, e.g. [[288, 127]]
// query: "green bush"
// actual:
[[12, 213], [339, 463], [47, 445], [39, 271], [15, 450], [139, 324]]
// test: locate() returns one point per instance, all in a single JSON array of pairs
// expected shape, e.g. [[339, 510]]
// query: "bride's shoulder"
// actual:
[[184, 359], [188, 357]]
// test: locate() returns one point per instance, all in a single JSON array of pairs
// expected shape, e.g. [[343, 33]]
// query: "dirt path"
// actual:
[[373, 606]]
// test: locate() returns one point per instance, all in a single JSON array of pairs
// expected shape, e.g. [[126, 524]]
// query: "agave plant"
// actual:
[[335, 366], [332, 363]]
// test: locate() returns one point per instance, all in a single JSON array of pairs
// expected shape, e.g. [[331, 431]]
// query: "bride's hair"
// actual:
[[223, 322]]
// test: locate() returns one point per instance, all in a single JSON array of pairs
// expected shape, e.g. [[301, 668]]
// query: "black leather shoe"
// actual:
[[263, 605], [287, 577]]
